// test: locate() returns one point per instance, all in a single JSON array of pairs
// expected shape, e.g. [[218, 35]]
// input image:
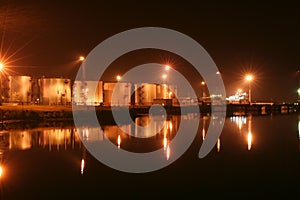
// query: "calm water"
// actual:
[[254, 155]]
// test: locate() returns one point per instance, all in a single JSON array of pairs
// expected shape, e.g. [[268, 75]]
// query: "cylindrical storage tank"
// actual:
[[83, 95], [121, 96], [19, 88], [55, 91], [166, 91], [145, 93]]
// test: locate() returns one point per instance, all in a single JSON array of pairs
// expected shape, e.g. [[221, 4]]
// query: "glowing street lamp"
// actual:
[[81, 58], [203, 89], [249, 79], [167, 67], [118, 77], [83, 84]]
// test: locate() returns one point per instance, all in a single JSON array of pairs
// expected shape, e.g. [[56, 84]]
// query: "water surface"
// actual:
[[254, 155]]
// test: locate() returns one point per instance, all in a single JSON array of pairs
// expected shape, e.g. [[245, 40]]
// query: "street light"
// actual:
[[81, 58], [83, 83], [203, 91], [249, 79], [1, 69], [118, 77], [167, 67]]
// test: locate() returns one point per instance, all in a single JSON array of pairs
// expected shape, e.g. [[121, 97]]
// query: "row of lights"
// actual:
[[248, 78]]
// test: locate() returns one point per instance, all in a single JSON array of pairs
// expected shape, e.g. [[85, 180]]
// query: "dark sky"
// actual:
[[46, 37]]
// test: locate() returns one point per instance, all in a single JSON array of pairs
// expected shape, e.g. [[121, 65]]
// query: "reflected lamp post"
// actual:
[[249, 79]]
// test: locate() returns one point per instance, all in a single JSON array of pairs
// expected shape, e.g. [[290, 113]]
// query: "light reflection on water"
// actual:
[[244, 125], [264, 149], [59, 139]]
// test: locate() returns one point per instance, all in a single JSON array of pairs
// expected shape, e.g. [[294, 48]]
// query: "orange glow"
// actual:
[[1, 171], [118, 77], [81, 58], [239, 90], [203, 134], [249, 77], [249, 138], [168, 152], [170, 126], [119, 141], [1, 66], [82, 166], [202, 83], [218, 145], [165, 143]]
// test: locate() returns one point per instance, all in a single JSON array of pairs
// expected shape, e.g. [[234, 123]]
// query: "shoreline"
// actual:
[[40, 113]]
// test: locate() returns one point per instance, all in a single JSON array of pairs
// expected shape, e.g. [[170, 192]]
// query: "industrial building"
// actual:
[[19, 89], [61, 91], [82, 95], [54, 91]]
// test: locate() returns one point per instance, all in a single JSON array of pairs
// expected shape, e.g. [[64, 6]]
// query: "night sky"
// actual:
[[46, 38]]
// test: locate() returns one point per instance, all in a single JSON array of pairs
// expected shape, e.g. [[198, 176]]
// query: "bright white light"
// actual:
[[1, 171], [118, 77], [218, 145], [249, 138], [1, 66], [119, 141], [249, 77], [167, 67], [81, 58], [82, 166]]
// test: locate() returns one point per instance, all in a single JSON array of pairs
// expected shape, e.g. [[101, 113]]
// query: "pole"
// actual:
[[250, 100], [0, 88], [83, 84]]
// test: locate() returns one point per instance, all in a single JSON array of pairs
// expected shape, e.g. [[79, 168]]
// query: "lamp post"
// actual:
[[1, 68], [164, 77], [203, 91], [83, 83], [249, 79]]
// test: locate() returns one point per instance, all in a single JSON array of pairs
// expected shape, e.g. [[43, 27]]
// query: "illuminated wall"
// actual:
[[55, 91], [146, 93], [121, 96], [19, 88], [83, 95]]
